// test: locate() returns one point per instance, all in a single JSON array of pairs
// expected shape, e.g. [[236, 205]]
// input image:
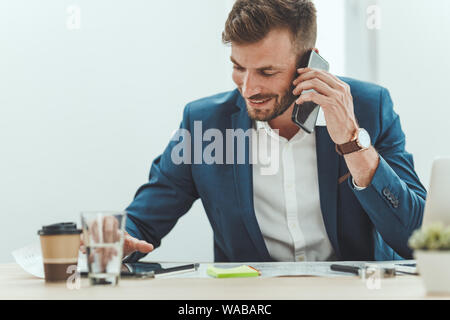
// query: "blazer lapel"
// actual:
[[328, 170], [243, 180]]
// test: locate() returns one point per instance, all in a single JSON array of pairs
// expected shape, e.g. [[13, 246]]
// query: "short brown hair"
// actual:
[[251, 20]]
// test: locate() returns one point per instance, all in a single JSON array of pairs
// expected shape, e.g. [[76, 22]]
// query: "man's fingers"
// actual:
[[144, 247], [110, 227], [82, 246], [132, 244], [308, 74], [321, 100], [314, 84]]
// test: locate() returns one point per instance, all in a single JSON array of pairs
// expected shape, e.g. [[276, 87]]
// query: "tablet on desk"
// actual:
[[150, 269]]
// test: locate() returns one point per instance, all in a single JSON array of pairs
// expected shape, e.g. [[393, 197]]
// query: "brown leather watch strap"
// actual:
[[348, 147]]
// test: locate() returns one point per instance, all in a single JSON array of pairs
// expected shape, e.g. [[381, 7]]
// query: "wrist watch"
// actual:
[[361, 141]]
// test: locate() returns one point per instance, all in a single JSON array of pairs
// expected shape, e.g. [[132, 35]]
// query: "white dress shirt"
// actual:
[[287, 201]]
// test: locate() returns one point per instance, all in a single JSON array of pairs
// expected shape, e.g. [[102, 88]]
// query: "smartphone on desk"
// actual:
[[305, 115], [155, 270], [142, 269]]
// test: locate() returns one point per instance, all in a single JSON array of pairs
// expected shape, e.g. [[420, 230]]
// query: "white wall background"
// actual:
[[414, 64], [84, 112]]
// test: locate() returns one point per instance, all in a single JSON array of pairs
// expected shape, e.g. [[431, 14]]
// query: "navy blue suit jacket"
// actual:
[[373, 224]]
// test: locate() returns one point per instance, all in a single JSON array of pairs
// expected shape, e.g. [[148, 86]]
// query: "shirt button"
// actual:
[[301, 258]]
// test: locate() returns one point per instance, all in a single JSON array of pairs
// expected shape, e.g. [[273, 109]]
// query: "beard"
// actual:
[[281, 105]]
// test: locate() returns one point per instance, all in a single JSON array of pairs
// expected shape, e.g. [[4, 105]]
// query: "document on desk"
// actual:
[[30, 259], [290, 269], [286, 269], [277, 269]]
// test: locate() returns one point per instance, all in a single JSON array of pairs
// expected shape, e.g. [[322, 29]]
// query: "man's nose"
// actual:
[[250, 86]]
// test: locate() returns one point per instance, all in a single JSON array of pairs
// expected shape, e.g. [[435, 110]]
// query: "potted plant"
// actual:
[[431, 245]]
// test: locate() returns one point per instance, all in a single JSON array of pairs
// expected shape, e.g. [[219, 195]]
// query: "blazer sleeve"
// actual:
[[395, 199], [168, 194]]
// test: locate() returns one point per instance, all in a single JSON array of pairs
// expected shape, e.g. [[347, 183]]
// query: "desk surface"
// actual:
[[17, 284]]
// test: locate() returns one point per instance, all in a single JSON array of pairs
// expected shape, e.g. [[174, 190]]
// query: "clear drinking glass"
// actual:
[[103, 236]]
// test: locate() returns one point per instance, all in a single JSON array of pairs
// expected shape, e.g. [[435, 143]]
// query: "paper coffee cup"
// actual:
[[60, 244]]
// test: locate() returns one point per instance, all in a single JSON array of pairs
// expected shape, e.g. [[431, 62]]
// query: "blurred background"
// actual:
[[91, 91]]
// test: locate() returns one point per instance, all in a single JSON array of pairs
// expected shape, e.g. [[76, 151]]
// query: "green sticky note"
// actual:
[[236, 272]]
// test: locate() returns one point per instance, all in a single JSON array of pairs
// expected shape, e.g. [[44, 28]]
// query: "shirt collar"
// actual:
[[264, 125]]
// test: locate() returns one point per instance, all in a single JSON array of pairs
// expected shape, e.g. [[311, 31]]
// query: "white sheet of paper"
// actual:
[[30, 259]]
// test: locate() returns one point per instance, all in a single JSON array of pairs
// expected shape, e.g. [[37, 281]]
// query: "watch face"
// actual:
[[364, 138]]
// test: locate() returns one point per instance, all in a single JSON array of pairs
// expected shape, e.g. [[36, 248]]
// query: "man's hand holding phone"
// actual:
[[305, 114], [335, 98]]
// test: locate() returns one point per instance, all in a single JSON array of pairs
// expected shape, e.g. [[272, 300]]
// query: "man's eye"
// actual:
[[267, 74], [238, 68]]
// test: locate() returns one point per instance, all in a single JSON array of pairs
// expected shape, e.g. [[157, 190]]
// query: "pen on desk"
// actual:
[[370, 270]]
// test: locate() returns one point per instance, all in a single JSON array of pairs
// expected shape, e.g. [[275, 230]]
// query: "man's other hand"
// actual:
[[130, 245]]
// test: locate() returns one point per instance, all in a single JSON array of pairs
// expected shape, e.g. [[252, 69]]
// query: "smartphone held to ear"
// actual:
[[305, 115]]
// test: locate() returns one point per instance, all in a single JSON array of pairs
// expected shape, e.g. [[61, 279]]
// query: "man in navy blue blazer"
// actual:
[[348, 191]]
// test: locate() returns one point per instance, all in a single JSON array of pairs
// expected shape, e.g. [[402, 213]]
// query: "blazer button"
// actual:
[[386, 192]]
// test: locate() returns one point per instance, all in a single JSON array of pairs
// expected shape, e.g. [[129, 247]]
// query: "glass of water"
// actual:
[[103, 236]]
